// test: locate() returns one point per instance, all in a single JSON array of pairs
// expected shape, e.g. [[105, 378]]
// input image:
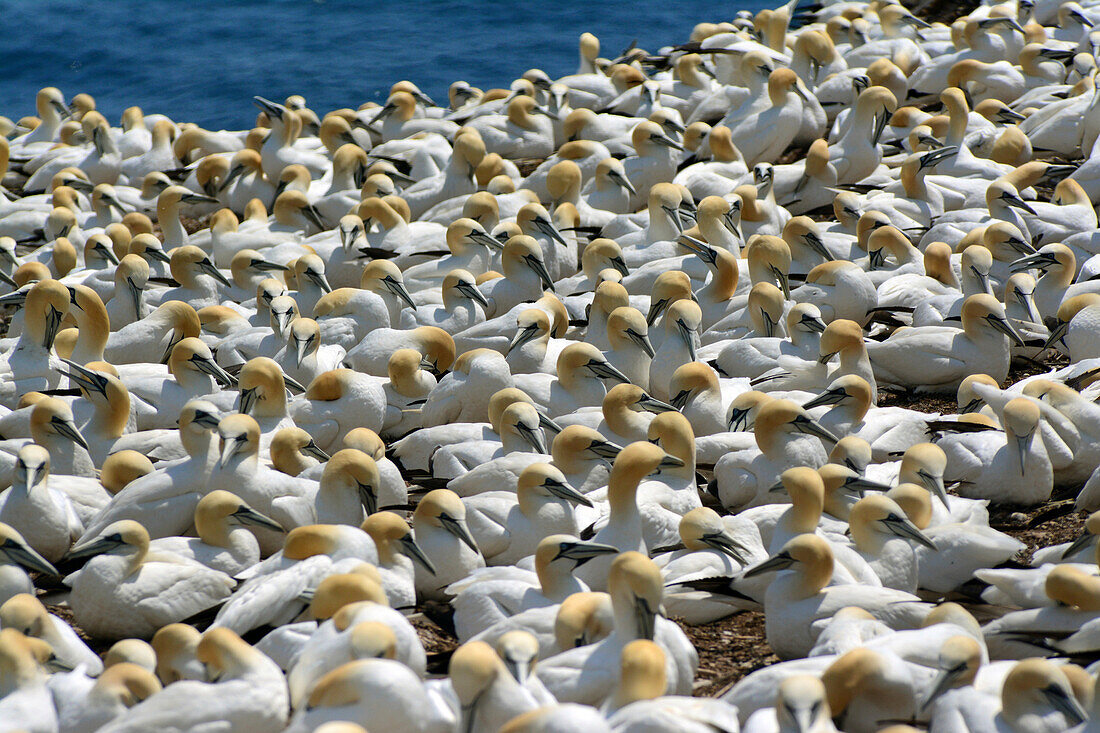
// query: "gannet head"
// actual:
[[392, 533], [131, 651], [958, 664], [15, 550], [642, 674], [1037, 684], [218, 510], [876, 516], [240, 435], [341, 590], [125, 537], [627, 328], [636, 589], [262, 387], [702, 529], [443, 509], [51, 416], [583, 618], [353, 470]]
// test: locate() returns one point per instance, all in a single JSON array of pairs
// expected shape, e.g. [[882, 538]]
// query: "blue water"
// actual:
[[203, 60]]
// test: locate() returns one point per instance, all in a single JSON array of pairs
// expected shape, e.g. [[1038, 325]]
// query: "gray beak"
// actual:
[[397, 287], [544, 226], [318, 279], [1065, 704], [582, 552], [540, 269], [410, 548], [902, 527], [564, 491], [25, 556], [98, 546], [271, 108], [688, 335], [809, 426], [654, 405], [523, 336], [249, 516], [533, 437], [211, 367], [312, 449], [368, 498], [935, 485], [606, 370], [458, 529], [67, 429], [247, 400], [231, 447], [53, 325], [724, 543], [207, 267], [1006, 328], [642, 340], [301, 348], [782, 561], [828, 397]]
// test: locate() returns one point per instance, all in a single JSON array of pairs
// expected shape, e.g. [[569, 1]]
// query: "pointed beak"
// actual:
[[247, 400], [642, 341], [606, 370], [533, 437], [1084, 540], [809, 426], [1023, 444], [271, 108], [540, 269], [98, 546], [782, 561], [458, 529], [622, 181], [368, 497], [301, 349], [249, 516], [688, 335], [1065, 703], [902, 527], [1018, 203], [680, 399], [943, 682], [413, 551], [67, 429], [650, 403], [935, 485], [725, 543], [207, 267], [828, 397], [564, 491], [398, 288], [25, 556], [318, 279], [211, 367], [656, 308], [544, 226], [1002, 325], [135, 292], [53, 325], [231, 447], [604, 449], [523, 336], [582, 552], [312, 449]]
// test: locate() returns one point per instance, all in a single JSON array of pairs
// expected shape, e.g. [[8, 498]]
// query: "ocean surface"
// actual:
[[203, 60]]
